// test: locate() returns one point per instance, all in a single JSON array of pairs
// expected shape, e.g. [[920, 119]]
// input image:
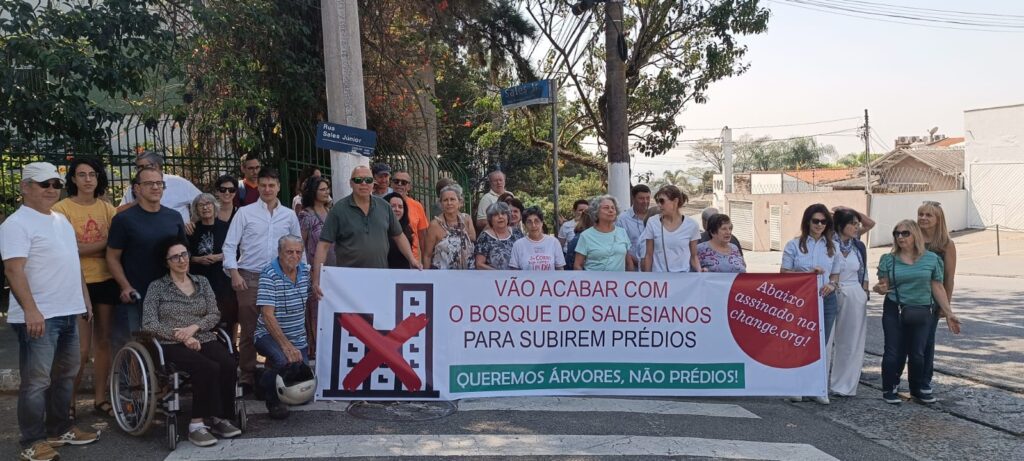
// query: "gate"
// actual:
[[742, 216], [775, 227]]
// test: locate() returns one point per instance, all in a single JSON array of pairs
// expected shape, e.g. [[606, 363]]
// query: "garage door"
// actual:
[[742, 216]]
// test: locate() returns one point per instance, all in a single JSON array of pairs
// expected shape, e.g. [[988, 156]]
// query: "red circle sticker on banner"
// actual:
[[774, 318]]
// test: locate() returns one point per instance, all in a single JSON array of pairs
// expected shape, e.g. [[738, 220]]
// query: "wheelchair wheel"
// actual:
[[172, 432], [133, 388]]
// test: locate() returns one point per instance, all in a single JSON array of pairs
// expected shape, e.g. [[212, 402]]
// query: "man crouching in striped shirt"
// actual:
[[281, 327]]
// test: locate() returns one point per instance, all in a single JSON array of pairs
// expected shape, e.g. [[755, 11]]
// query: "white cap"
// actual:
[[40, 172]]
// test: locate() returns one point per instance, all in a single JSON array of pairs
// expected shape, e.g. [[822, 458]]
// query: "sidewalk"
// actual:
[[976, 255]]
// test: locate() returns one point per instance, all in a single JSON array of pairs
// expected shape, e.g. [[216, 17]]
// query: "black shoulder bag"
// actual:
[[911, 314]]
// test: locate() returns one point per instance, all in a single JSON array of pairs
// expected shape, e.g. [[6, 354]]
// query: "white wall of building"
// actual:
[[889, 209], [994, 166]]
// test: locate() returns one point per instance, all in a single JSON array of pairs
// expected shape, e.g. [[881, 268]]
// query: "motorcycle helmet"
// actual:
[[298, 386]]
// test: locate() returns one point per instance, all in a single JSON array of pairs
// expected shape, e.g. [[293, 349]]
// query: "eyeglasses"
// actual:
[[54, 183], [400, 182], [362, 180], [226, 190], [662, 200], [153, 184], [901, 234], [180, 257], [820, 222]]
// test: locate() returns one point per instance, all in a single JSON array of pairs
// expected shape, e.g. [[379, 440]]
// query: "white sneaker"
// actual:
[[822, 400], [795, 399]]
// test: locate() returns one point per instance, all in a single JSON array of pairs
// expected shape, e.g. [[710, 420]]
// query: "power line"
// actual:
[[868, 17], [917, 8], [776, 126], [911, 16]]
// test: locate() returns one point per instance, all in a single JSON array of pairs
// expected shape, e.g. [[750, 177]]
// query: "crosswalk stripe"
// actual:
[[352, 446], [580, 404], [560, 404]]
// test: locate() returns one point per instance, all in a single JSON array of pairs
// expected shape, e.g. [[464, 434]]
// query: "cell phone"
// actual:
[[136, 297]]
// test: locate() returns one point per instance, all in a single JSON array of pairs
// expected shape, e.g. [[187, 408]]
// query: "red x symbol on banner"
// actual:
[[383, 349]]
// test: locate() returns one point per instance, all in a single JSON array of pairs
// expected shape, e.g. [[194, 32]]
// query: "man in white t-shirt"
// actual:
[[48, 294], [536, 251], [497, 183], [178, 192], [567, 231]]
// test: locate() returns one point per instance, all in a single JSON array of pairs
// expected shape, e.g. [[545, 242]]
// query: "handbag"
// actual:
[[911, 314]]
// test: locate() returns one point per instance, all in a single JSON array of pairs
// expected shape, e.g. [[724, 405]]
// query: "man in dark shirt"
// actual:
[[133, 250], [705, 235], [359, 226]]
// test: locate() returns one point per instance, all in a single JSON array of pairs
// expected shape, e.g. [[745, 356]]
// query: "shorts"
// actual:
[[105, 292]]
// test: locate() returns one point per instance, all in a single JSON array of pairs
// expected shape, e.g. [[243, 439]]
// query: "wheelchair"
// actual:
[[141, 387]]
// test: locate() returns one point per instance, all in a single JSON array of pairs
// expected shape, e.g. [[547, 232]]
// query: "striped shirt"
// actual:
[[288, 300]]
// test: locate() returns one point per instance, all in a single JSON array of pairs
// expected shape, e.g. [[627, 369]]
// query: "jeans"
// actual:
[[48, 365], [830, 306], [127, 319], [903, 345], [929, 352], [276, 364]]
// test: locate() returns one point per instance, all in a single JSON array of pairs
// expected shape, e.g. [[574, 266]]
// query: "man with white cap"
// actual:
[[48, 294]]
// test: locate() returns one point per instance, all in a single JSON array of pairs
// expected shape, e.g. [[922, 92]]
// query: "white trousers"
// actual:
[[848, 335]]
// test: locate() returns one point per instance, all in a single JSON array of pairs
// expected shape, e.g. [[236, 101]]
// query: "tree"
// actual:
[[709, 152], [766, 154], [674, 51], [54, 58], [855, 159]]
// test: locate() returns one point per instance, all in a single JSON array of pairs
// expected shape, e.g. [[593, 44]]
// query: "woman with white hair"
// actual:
[[204, 246], [494, 246], [604, 246], [449, 240]]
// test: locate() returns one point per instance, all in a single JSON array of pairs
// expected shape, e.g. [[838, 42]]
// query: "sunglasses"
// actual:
[[362, 180], [400, 182], [54, 183], [662, 200], [226, 190], [180, 257], [820, 222], [901, 234]]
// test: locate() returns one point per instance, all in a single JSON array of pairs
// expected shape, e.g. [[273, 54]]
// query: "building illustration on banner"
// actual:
[[374, 356]]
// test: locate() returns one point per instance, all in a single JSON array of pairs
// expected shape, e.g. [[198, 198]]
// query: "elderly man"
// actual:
[[632, 220], [178, 192], [497, 182], [248, 190], [132, 244], [705, 235], [253, 234], [48, 293], [359, 226], [381, 177], [401, 182], [280, 334]]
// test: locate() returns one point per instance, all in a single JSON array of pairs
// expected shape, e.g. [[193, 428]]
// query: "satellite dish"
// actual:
[[933, 130]]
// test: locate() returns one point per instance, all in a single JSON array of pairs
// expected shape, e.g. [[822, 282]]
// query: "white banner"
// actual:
[[420, 335]]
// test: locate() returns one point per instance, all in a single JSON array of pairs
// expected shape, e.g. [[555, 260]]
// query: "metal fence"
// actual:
[[201, 158]]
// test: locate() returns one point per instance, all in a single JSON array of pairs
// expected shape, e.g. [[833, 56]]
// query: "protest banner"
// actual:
[[420, 335]]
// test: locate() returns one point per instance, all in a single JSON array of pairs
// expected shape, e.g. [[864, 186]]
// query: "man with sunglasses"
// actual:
[[133, 246], [48, 293], [178, 192], [401, 182], [359, 226], [251, 244]]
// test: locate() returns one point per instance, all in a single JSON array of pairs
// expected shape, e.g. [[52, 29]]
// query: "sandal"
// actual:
[[104, 408]]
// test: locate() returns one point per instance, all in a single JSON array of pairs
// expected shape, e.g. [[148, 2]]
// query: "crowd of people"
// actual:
[[175, 262]]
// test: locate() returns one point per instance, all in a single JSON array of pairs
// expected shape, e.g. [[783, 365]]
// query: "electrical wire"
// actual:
[[775, 126], [868, 17], [915, 16]]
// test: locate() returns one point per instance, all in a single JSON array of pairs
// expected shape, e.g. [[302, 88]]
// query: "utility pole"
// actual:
[[343, 65], [867, 169], [615, 99]]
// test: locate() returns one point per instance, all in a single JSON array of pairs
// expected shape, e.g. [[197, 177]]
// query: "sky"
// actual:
[[812, 66]]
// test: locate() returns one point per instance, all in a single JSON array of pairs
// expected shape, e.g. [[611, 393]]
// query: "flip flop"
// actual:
[[104, 408]]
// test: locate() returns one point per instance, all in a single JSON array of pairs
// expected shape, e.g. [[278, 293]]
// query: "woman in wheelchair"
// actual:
[[180, 310]]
